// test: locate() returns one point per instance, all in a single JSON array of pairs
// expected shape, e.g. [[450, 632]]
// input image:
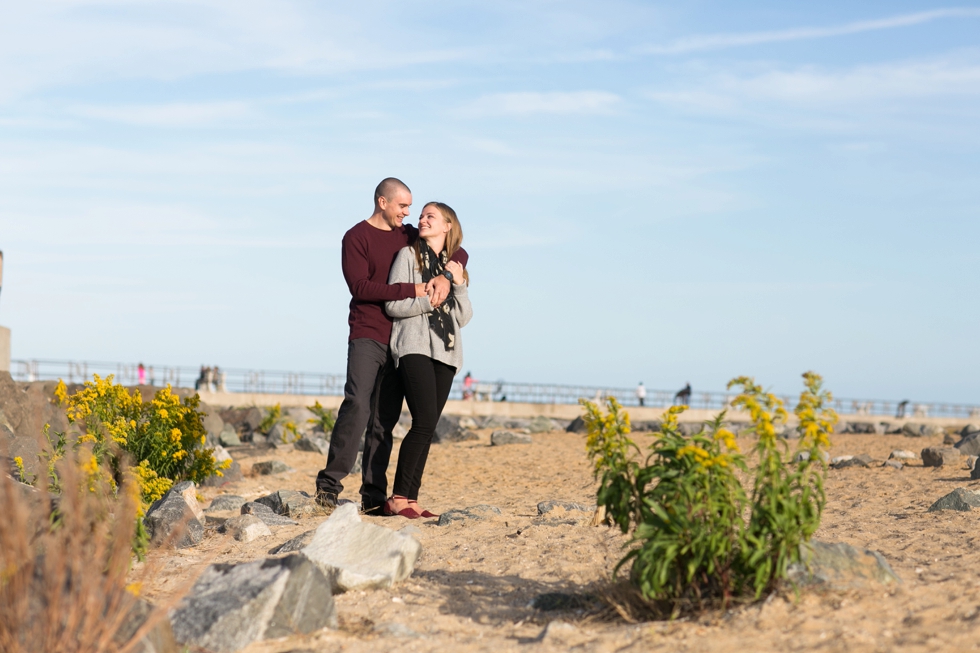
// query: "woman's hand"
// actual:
[[457, 271]]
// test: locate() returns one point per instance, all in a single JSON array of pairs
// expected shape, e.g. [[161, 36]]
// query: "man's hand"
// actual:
[[438, 289]]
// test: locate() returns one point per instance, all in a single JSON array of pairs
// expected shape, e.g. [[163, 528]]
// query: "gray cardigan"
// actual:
[[410, 333]]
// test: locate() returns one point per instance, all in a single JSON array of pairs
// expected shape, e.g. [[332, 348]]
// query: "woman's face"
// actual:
[[431, 222]]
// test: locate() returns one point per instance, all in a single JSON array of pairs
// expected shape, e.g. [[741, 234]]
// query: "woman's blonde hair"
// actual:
[[454, 239]]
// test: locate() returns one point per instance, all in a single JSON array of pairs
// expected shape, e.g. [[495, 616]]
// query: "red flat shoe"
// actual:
[[404, 512], [425, 513]]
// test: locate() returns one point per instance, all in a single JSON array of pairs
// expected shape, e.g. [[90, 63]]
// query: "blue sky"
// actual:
[[657, 191]]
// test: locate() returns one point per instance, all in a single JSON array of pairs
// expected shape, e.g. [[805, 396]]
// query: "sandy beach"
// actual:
[[473, 585]]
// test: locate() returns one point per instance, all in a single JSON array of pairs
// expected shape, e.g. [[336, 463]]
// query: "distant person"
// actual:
[[202, 380], [222, 378], [641, 394], [141, 375], [153, 378], [373, 392], [683, 396], [902, 406], [468, 382], [209, 376]]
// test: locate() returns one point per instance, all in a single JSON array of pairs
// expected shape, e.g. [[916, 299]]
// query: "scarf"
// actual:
[[440, 320]]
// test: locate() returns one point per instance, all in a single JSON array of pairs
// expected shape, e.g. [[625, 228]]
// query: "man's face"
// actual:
[[395, 210]]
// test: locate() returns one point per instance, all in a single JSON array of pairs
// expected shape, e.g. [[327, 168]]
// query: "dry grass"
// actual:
[[63, 566]]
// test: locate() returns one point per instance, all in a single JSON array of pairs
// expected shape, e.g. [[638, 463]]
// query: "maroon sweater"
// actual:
[[366, 256]]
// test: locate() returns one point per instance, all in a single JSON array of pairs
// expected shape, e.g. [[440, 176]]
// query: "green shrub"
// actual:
[[685, 505]]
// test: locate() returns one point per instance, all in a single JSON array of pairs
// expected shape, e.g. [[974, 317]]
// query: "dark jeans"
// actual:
[[373, 401], [427, 383]]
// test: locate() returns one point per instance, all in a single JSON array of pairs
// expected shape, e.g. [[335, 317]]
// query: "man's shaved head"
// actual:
[[388, 187]]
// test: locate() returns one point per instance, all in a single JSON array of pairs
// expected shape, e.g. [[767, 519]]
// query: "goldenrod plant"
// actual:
[[274, 416], [165, 437], [325, 418], [685, 505]]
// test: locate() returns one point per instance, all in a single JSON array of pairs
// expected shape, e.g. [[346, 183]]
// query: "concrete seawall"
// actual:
[[517, 409]]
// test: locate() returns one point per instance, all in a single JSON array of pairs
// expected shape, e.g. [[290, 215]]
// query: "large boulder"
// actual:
[[541, 424], [266, 514], [290, 503], [314, 444], [234, 605], [499, 438], [213, 424], [356, 555], [959, 499], [577, 426], [939, 456], [176, 518], [245, 528], [969, 444], [840, 566]]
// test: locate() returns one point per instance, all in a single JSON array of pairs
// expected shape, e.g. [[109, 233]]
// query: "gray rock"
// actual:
[[467, 422], [446, 427], [939, 456], [959, 499], [899, 454], [968, 429], [912, 430], [840, 567], [229, 437], [802, 456], [865, 428], [687, 429], [478, 513], [493, 422], [547, 506], [298, 543], [279, 435], [266, 514], [894, 464], [969, 445], [245, 528], [267, 467], [300, 415], [646, 426], [932, 430], [499, 438], [232, 474], [290, 503], [577, 426], [357, 555], [541, 424], [399, 432], [971, 463], [226, 502], [176, 518], [315, 445], [213, 423], [862, 460], [232, 606], [159, 639]]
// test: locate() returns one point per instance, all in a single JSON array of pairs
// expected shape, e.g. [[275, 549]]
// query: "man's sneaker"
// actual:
[[326, 499]]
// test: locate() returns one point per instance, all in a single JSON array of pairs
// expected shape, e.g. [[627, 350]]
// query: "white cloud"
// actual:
[[169, 115], [575, 102], [914, 83], [721, 41]]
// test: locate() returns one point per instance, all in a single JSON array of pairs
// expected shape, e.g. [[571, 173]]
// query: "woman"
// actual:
[[425, 345]]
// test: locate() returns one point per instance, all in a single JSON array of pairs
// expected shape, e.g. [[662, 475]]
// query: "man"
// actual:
[[373, 392], [683, 396], [641, 394]]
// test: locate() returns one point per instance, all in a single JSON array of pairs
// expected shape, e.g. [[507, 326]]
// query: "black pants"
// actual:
[[427, 383], [373, 401]]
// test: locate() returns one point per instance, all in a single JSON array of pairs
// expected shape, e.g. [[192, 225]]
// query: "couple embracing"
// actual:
[[408, 303]]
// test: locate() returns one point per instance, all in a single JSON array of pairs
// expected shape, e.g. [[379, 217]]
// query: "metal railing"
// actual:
[[311, 383]]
